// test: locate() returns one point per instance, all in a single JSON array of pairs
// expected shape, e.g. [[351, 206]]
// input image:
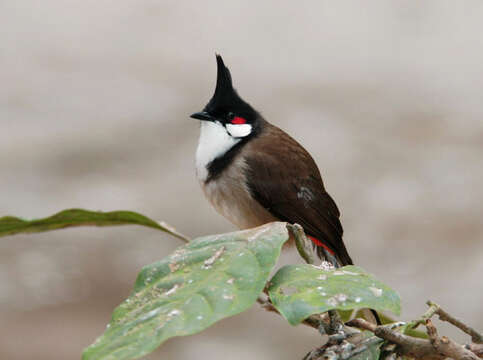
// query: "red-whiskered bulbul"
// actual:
[[254, 173]]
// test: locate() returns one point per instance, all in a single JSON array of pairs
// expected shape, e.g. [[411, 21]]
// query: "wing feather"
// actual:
[[288, 184]]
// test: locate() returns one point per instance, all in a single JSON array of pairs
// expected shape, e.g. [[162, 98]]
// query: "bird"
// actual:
[[253, 173]]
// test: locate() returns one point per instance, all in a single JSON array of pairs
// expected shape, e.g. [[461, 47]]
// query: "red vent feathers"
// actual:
[[320, 243]]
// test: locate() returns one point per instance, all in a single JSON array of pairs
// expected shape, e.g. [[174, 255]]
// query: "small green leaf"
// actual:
[[10, 225], [210, 278], [406, 330], [346, 315], [298, 291]]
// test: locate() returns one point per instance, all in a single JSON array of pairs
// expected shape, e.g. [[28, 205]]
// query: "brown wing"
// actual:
[[288, 184]]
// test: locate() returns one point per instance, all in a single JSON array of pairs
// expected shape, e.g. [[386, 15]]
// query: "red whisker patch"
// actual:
[[238, 120]]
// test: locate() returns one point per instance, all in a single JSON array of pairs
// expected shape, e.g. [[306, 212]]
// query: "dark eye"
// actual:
[[230, 116]]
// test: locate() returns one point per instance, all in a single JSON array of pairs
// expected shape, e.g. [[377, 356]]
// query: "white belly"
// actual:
[[231, 198]]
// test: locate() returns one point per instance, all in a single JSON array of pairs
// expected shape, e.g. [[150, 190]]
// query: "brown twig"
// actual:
[[339, 348], [447, 347], [427, 315], [437, 349], [476, 337], [475, 348]]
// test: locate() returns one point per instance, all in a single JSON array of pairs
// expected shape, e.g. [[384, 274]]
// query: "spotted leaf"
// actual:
[[199, 284], [298, 291]]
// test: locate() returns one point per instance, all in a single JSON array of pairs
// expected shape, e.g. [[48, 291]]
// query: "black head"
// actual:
[[226, 106]]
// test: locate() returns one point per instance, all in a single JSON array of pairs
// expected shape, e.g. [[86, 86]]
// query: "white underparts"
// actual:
[[214, 142]]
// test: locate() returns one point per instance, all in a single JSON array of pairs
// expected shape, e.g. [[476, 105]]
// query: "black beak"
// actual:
[[202, 115]]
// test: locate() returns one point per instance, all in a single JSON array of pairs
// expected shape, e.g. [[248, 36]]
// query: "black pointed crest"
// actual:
[[224, 83], [226, 99]]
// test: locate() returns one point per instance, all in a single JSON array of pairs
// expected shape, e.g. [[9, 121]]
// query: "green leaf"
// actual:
[[210, 278], [298, 291], [10, 225], [406, 330], [385, 319], [346, 315]]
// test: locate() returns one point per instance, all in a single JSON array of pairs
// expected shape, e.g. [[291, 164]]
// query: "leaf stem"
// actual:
[[304, 245]]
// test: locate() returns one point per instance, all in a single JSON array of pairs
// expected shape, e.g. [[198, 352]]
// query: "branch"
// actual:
[[476, 337], [475, 348], [339, 347], [447, 347], [406, 345], [427, 315], [436, 348]]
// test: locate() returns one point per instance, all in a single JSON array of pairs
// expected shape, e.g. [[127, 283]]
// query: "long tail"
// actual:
[[324, 252]]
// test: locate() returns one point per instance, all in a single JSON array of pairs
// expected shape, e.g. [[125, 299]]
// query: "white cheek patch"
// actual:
[[239, 130], [214, 142]]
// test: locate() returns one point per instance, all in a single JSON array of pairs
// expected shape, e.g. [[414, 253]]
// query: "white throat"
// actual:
[[214, 142]]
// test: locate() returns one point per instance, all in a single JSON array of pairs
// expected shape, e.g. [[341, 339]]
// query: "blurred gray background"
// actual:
[[94, 105]]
